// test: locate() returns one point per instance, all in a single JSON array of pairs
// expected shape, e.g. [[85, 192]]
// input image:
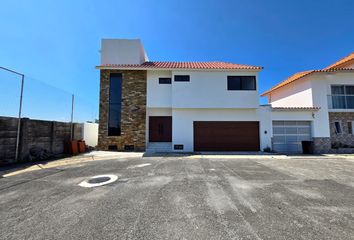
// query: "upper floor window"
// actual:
[[342, 89], [115, 104], [164, 80], [342, 96], [182, 78], [241, 82]]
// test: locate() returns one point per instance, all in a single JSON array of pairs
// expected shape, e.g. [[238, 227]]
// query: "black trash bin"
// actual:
[[307, 147]]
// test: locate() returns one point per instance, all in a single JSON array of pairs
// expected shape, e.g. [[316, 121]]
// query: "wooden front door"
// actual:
[[160, 129]]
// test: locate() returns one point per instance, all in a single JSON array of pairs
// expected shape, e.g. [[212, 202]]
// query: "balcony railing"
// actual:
[[340, 101]]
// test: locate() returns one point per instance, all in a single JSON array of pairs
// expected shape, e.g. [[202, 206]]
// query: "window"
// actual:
[[337, 90], [164, 80], [241, 83], [337, 127], [181, 78], [115, 104], [342, 96], [350, 127]]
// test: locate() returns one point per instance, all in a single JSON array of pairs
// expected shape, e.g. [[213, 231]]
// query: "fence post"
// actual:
[[72, 117], [19, 119], [20, 110]]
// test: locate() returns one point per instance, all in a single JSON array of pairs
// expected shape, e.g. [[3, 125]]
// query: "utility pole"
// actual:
[[19, 110]]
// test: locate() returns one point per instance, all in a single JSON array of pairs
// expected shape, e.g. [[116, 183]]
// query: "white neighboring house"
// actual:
[[331, 92]]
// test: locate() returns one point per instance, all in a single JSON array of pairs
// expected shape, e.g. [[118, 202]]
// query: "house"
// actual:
[[178, 106], [214, 106], [330, 93]]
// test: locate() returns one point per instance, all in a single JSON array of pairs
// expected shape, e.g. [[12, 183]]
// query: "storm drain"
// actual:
[[98, 180]]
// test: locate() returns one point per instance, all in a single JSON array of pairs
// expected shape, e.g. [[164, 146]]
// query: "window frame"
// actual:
[[342, 100], [344, 89], [181, 76], [338, 128], [114, 103], [241, 78], [350, 125], [165, 78]]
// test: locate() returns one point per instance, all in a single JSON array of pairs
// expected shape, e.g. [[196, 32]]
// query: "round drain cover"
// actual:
[[98, 180]]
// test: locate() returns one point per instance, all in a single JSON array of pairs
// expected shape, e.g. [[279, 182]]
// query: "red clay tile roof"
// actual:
[[180, 65], [297, 108], [338, 66], [341, 63]]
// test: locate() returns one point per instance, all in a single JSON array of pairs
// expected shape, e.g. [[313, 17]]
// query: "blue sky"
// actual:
[[57, 42]]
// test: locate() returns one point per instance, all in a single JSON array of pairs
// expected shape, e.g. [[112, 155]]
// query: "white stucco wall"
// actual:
[[295, 94], [345, 78], [182, 123], [158, 95], [321, 90], [90, 134], [291, 115], [122, 51], [208, 89]]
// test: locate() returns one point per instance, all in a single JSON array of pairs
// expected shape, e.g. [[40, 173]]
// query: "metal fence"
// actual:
[[23, 96]]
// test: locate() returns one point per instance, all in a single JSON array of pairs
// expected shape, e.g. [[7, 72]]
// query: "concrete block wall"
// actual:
[[49, 135], [8, 133]]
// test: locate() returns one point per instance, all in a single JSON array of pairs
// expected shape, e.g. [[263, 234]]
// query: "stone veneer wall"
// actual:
[[322, 145], [345, 137], [133, 118]]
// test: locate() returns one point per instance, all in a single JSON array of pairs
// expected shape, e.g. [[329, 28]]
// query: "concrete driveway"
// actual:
[[183, 198]]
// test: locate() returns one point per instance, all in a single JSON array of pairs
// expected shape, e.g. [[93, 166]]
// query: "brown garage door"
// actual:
[[226, 136]]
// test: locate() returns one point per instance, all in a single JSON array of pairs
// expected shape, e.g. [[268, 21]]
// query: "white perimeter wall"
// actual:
[[182, 123], [90, 134]]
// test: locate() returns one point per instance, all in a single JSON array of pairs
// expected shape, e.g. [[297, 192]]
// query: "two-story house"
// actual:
[[330, 91], [178, 106]]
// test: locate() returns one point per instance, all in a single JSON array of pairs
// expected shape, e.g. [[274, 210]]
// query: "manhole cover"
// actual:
[[98, 180]]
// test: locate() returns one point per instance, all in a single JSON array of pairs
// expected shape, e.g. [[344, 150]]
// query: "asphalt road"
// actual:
[[183, 198]]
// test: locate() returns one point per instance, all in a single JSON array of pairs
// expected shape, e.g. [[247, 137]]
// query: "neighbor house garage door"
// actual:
[[287, 135], [226, 136]]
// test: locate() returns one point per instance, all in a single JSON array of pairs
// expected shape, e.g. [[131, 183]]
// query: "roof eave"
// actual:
[[310, 109], [256, 69], [332, 70]]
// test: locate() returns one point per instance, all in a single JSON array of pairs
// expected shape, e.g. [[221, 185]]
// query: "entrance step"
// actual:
[[156, 147]]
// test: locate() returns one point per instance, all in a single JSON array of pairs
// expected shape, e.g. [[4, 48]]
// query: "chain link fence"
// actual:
[[40, 101]]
